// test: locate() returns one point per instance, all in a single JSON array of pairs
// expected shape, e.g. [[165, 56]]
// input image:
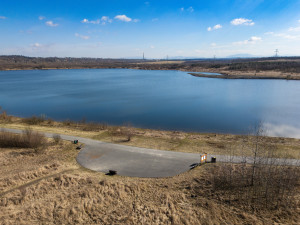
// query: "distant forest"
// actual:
[[282, 64]]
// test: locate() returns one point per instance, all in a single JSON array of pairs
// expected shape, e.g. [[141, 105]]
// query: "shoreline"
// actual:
[[198, 72], [178, 141], [253, 77]]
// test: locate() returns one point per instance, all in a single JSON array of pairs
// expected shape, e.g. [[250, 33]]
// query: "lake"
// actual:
[[168, 100]]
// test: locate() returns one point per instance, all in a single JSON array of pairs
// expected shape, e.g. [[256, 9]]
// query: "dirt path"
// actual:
[[34, 182]]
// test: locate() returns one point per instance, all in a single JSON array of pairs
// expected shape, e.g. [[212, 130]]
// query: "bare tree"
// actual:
[[261, 182]]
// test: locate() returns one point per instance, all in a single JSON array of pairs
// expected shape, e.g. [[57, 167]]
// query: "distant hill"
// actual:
[[242, 56], [240, 62]]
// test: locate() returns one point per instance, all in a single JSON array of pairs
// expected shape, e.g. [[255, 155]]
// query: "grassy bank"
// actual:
[[222, 144]]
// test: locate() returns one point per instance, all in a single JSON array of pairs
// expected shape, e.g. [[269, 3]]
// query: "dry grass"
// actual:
[[162, 62], [51, 188], [34, 120], [273, 186], [220, 144], [4, 117], [29, 139]]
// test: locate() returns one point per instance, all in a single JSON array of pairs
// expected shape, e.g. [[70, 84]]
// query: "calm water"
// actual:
[[171, 100]]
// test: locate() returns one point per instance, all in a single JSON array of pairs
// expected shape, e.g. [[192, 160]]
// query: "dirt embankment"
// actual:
[[274, 75]]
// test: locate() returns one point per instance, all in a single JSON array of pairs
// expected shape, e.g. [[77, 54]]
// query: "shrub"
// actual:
[[29, 139], [33, 138], [56, 138], [3, 116], [114, 131], [67, 122], [125, 131], [50, 121], [34, 120], [94, 126]]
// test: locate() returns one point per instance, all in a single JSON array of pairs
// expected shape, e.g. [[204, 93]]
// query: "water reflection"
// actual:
[[281, 130]]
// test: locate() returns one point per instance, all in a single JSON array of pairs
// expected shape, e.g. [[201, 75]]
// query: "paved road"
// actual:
[[142, 162]]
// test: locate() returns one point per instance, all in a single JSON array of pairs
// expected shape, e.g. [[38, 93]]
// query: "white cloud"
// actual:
[[104, 20], [294, 28], [291, 33], [26, 31], [199, 51], [152, 46], [287, 36], [213, 44], [42, 17], [269, 33], [2, 18], [154, 19], [242, 21], [51, 24], [190, 9], [136, 20], [123, 18], [216, 27], [82, 36], [36, 45], [92, 21], [252, 40]]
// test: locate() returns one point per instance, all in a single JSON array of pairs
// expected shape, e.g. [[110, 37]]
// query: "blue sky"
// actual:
[[117, 28]]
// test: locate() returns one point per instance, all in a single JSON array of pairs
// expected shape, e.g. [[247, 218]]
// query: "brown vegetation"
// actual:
[[34, 120], [287, 67], [4, 117], [57, 138], [29, 139], [271, 187], [219, 144], [126, 132], [51, 188], [266, 184]]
